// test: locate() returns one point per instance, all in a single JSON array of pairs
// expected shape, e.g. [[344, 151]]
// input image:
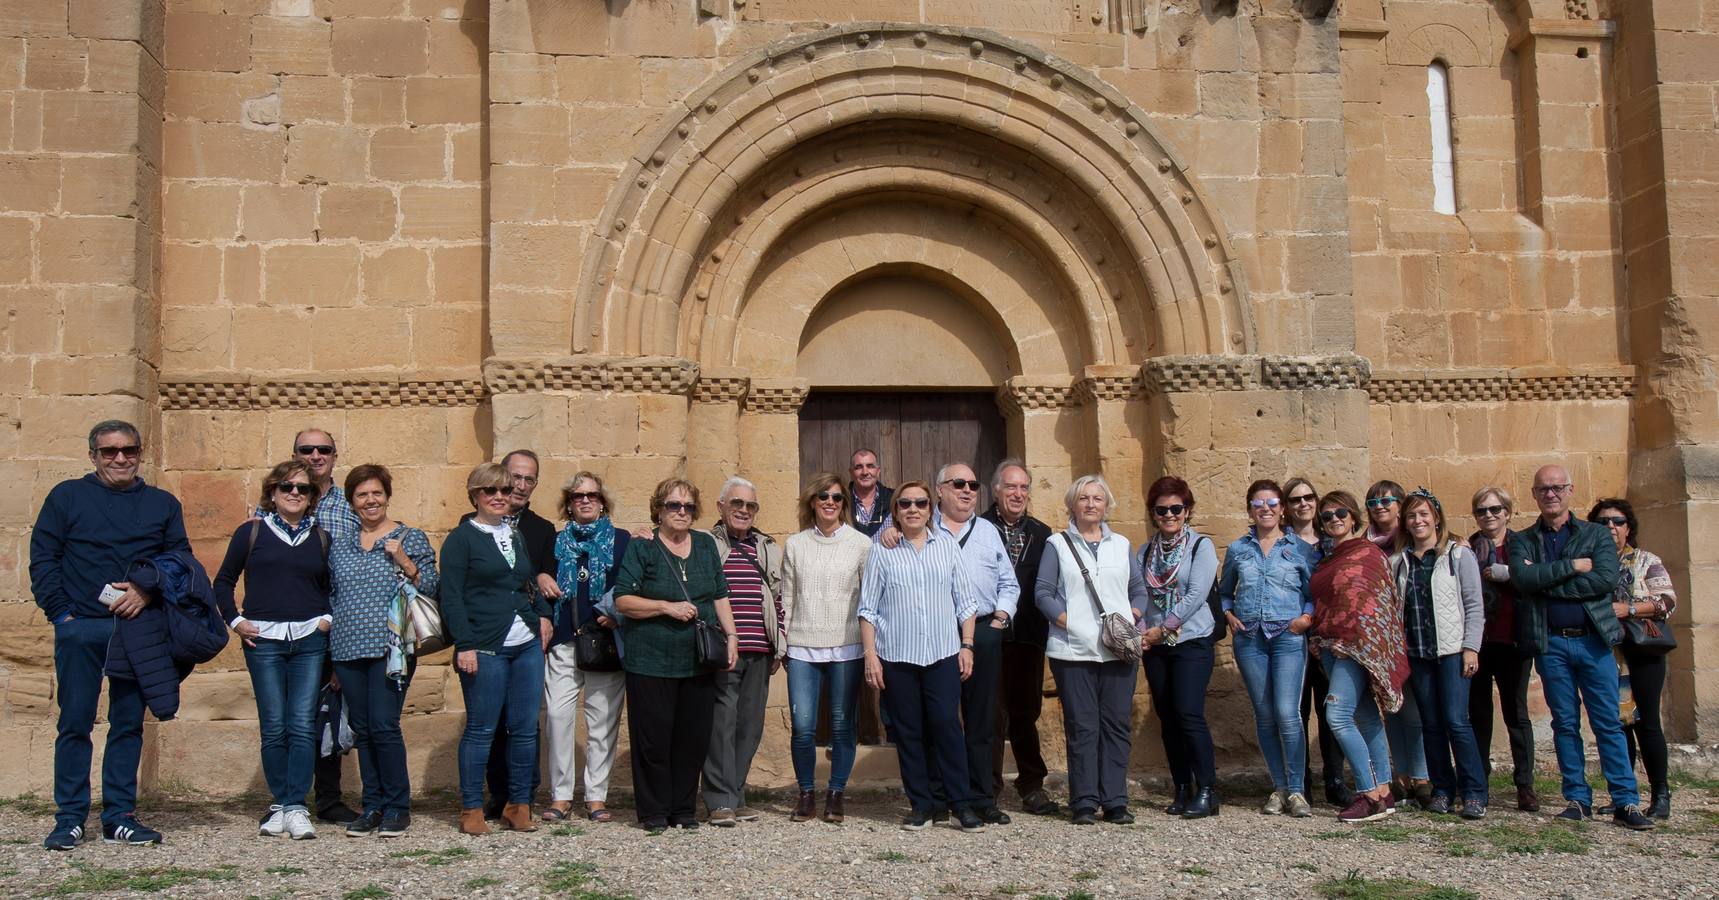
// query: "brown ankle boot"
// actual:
[[471, 821], [833, 807], [805, 808], [517, 817]]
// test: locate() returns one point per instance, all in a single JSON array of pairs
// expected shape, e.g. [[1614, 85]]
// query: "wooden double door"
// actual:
[[912, 433]]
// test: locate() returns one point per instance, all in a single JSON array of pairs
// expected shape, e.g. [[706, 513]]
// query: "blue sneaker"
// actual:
[[129, 831], [65, 836]]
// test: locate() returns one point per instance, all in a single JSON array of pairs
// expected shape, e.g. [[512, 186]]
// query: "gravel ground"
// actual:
[[212, 851]]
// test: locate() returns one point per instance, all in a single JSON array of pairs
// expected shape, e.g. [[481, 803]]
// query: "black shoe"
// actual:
[[1605, 809], [1438, 803], [1084, 817], [684, 824], [1661, 808], [65, 836], [365, 824], [1119, 815], [654, 826], [1180, 804], [1629, 816], [1338, 795], [1473, 809], [1039, 803], [129, 831], [940, 816], [394, 824], [994, 816], [1577, 811], [970, 820], [916, 821], [338, 814], [1204, 803]]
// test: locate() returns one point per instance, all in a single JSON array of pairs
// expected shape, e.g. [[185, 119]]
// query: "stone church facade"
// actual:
[[1229, 239]]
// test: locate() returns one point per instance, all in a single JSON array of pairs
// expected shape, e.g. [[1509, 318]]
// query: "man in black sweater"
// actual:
[[88, 531], [1020, 688]]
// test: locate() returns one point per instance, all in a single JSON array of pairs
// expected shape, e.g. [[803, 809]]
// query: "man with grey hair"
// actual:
[[752, 565], [87, 534]]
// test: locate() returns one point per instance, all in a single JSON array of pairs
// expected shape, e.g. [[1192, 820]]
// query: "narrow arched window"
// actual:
[[1443, 160]]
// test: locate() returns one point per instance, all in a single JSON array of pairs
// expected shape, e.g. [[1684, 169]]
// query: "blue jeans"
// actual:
[[1403, 728], [805, 686], [1354, 717], [1442, 693], [1272, 670], [373, 704], [80, 652], [511, 677], [1581, 671], [286, 677]]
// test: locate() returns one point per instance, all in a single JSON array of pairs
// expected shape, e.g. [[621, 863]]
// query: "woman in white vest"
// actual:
[[1089, 570], [1443, 619]]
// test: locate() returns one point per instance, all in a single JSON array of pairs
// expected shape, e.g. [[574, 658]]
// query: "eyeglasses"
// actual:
[[962, 484], [301, 488], [748, 506], [491, 491], [1382, 502], [527, 480], [1333, 514], [1170, 511], [321, 449], [586, 497], [913, 503], [1550, 490], [1263, 503], [1613, 521], [827, 496], [1487, 512], [129, 451], [676, 506], [1302, 498]]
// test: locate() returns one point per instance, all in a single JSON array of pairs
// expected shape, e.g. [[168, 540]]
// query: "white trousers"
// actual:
[[604, 693]]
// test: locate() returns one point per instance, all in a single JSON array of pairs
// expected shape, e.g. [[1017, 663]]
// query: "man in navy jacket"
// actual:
[[88, 533]]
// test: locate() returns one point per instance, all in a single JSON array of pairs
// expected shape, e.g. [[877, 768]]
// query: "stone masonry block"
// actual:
[[409, 154], [89, 249], [441, 213], [397, 276], [450, 99], [311, 275], [387, 342], [351, 211], [278, 212], [326, 154], [198, 150], [380, 47], [378, 101], [90, 123], [207, 43], [291, 45]]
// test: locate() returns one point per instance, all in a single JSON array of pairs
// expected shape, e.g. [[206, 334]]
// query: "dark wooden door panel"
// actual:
[[912, 433]]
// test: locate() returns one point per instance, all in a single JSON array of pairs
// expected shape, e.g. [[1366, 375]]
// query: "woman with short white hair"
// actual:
[[1088, 575]]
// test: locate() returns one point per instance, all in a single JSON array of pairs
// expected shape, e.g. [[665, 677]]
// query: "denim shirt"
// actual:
[[1268, 589]]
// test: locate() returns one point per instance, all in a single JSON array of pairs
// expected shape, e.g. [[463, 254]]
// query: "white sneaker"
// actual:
[[275, 824], [298, 825], [1273, 804]]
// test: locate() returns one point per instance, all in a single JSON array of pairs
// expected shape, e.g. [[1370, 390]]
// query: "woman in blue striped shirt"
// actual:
[[916, 626]]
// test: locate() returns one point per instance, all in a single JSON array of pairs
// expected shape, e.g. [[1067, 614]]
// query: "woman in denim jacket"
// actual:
[[1266, 598]]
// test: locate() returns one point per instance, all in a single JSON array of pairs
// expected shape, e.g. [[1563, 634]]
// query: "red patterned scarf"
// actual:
[[1356, 614]]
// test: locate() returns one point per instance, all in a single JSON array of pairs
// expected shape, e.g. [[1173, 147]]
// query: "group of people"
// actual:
[[1371, 614]]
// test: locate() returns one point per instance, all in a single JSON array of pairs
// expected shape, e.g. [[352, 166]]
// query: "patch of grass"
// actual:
[[949, 887], [1077, 895], [1009, 890], [1305, 867], [413, 853], [1086, 876], [1195, 870], [759, 796], [8, 872], [1353, 887], [575, 879], [94, 879], [1686, 781], [371, 891], [472, 884], [1554, 839], [892, 856], [441, 857], [1337, 835], [283, 870], [1390, 834], [566, 831], [29, 805]]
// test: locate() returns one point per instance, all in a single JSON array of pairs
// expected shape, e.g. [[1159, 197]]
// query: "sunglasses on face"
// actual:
[[129, 451], [1333, 514], [676, 506], [747, 506], [1488, 511], [1302, 498], [962, 484], [1381, 502], [586, 497], [320, 449], [1169, 512], [1263, 503], [1613, 521], [827, 496], [493, 491], [303, 489], [913, 503], [1551, 490]]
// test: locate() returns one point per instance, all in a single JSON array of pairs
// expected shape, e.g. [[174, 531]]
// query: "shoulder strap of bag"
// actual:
[[251, 547], [657, 539], [1091, 589]]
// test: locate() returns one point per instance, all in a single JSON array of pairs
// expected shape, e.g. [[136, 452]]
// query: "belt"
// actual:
[[1581, 631]]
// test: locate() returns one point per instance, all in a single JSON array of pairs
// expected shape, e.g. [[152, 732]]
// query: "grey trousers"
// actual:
[[1097, 704], [736, 727]]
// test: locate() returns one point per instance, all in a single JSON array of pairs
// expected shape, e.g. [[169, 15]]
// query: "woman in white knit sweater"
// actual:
[[820, 610]]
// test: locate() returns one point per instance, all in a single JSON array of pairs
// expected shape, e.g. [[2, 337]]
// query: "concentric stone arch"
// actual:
[[664, 216]]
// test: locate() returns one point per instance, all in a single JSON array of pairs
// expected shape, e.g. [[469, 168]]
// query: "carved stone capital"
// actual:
[[1183, 374], [776, 396], [716, 385], [1021, 393], [1110, 383]]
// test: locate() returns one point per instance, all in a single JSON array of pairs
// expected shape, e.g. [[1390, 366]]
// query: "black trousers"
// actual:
[[1646, 685], [326, 786], [668, 724], [1500, 664], [978, 720], [1020, 700], [1177, 677], [921, 702], [1313, 692]]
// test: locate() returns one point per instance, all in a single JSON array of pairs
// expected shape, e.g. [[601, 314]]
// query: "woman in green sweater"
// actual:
[[499, 627], [665, 585]]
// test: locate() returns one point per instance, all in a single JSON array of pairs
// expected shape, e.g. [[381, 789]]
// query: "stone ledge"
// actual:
[[1499, 385], [239, 391]]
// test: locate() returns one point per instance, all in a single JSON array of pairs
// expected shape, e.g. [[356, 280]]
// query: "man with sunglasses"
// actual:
[[752, 565], [1564, 571], [993, 577], [88, 531]]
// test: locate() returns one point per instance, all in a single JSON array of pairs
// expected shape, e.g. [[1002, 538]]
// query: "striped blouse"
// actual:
[[916, 599]]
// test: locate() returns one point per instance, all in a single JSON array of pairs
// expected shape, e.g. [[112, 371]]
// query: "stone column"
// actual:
[[1045, 430], [769, 442], [713, 427], [1116, 418]]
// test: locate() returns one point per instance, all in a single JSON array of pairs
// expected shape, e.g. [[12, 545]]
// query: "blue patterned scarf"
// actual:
[[596, 543]]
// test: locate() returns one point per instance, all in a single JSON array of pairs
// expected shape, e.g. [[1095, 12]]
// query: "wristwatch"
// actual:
[[966, 645]]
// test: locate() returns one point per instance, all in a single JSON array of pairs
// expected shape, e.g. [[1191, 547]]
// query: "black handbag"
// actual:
[[594, 647], [709, 644], [1649, 636]]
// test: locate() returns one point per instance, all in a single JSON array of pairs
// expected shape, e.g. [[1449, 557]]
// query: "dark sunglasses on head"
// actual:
[[738, 505], [587, 497], [675, 506], [827, 496], [295, 487], [913, 503], [1614, 521], [1331, 514], [491, 491], [1302, 498], [129, 451], [308, 449], [1381, 502], [962, 484], [1165, 512], [1495, 509]]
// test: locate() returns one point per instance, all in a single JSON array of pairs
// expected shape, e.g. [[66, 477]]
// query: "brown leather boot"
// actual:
[[833, 807], [471, 821], [805, 808], [517, 817]]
